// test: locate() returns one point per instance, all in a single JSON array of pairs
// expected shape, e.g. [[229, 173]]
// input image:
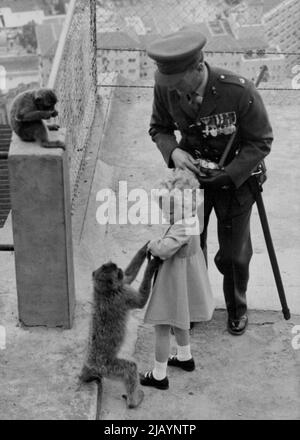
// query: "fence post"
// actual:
[[41, 219]]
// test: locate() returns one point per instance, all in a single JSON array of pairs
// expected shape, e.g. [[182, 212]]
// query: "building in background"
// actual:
[[10, 19], [279, 20], [249, 47], [147, 66], [3, 42], [282, 21], [48, 34], [25, 60], [19, 70], [55, 7], [49, 7], [240, 52], [118, 52], [237, 40]]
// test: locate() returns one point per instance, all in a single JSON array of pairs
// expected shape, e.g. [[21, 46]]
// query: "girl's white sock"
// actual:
[[160, 370], [184, 352]]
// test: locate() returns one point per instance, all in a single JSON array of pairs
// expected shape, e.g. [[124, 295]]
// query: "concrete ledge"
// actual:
[[41, 218]]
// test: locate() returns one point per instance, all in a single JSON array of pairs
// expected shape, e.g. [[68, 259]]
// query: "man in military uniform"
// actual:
[[206, 105]]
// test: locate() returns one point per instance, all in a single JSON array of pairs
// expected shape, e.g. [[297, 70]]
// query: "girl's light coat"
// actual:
[[181, 292]]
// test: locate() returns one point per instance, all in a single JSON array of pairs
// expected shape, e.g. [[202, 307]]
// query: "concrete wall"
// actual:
[[41, 217]]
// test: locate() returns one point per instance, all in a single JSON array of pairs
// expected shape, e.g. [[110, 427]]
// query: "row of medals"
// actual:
[[222, 123]]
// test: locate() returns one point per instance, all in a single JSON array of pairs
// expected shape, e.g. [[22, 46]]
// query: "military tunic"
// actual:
[[230, 101]]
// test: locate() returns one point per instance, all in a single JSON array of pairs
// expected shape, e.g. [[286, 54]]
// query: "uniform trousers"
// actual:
[[233, 210]]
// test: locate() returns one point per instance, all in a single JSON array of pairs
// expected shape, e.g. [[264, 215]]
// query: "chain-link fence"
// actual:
[[74, 79], [242, 36]]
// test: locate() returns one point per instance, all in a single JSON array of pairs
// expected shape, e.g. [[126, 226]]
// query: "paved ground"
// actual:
[[252, 377], [39, 366]]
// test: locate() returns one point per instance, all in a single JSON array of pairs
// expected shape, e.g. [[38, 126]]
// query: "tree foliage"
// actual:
[[27, 37], [60, 7]]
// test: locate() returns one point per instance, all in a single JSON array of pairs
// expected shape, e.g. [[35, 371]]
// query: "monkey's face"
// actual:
[[108, 276], [45, 99]]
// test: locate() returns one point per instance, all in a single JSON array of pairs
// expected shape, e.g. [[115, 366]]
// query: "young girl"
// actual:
[[181, 291]]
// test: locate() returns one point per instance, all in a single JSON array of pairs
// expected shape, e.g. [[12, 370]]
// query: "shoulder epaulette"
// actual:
[[232, 79]]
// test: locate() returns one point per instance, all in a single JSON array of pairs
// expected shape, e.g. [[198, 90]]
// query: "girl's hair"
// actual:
[[179, 179], [173, 186]]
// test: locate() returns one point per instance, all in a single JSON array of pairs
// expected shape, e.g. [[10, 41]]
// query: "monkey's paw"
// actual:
[[135, 400], [60, 144], [89, 375], [53, 127], [54, 144]]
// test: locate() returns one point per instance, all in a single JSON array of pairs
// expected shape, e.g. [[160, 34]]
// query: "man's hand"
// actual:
[[182, 159], [215, 179]]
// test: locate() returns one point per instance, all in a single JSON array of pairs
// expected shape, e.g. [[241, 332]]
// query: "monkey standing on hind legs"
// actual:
[[27, 113], [113, 298]]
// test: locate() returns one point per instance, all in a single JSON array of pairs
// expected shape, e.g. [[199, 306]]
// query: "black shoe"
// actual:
[[184, 365], [237, 326], [148, 380]]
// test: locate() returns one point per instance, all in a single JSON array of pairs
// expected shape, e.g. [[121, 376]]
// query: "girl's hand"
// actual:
[[155, 262]]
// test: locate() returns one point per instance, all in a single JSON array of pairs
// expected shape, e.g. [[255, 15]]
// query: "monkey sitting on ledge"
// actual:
[[113, 298], [27, 113]]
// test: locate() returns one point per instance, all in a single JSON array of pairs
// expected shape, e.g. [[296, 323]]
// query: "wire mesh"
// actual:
[[76, 84], [242, 36]]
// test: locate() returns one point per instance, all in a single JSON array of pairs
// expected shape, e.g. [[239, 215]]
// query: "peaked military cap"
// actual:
[[175, 53]]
